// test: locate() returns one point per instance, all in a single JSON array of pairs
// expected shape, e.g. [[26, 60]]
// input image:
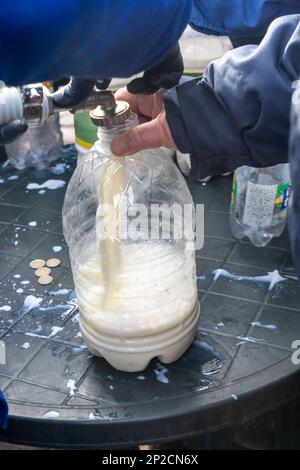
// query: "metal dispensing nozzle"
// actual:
[[35, 105], [110, 112]]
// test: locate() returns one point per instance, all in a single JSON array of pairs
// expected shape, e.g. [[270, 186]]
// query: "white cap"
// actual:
[[11, 105]]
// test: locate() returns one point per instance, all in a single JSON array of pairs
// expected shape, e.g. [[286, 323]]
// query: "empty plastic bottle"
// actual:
[[38, 147], [259, 203]]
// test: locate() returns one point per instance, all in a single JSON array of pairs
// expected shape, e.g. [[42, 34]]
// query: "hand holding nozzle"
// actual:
[[76, 92]]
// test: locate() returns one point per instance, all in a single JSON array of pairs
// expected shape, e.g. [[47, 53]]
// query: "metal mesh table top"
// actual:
[[59, 395]]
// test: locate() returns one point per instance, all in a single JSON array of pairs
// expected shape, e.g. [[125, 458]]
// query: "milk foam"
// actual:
[[156, 290]]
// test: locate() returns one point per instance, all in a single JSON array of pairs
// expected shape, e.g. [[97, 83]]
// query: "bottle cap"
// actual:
[[110, 116]]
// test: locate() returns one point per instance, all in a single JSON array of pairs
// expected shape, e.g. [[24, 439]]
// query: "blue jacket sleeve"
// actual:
[[238, 114], [3, 412], [239, 18], [43, 40]]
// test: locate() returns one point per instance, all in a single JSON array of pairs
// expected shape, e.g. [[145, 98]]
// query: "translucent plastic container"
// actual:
[[136, 287], [259, 203], [38, 147]]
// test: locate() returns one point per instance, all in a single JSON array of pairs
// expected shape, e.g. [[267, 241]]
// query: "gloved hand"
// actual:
[[11, 131], [164, 75], [77, 90]]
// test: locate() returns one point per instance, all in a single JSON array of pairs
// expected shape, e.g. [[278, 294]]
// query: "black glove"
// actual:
[[164, 75], [76, 91], [11, 131]]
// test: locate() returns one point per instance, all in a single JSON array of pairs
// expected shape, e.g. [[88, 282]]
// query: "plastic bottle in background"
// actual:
[[259, 203], [38, 147]]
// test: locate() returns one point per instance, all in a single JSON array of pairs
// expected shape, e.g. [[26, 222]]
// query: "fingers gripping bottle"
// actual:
[[259, 203], [134, 276]]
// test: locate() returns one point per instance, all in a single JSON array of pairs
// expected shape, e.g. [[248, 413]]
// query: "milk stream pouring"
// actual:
[[137, 293], [259, 203]]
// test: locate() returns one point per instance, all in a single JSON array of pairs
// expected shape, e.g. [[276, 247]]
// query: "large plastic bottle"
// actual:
[[259, 203], [135, 283]]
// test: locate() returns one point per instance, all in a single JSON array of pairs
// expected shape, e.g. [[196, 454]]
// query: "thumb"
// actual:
[[153, 134]]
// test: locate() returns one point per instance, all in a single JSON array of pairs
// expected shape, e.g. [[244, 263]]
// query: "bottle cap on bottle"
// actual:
[[110, 114]]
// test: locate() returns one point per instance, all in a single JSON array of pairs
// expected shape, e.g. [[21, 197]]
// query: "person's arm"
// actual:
[[244, 21], [42, 40], [238, 114]]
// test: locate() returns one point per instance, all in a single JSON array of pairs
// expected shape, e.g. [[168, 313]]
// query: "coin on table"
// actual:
[[37, 263], [45, 280], [42, 272], [53, 262]]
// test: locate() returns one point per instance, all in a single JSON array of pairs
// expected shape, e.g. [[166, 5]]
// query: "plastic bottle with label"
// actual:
[[259, 203]]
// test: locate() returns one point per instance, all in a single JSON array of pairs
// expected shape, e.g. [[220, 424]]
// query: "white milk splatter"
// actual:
[[57, 249], [25, 282], [25, 346], [5, 308], [160, 373], [33, 223], [78, 335], [58, 169], [71, 386], [78, 349], [1, 180], [35, 335], [20, 291], [92, 415], [49, 184], [17, 276], [60, 292], [262, 325], [234, 397], [41, 191], [272, 278], [52, 414], [141, 377], [55, 330], [13, 178], [250, 339], [32, 302]]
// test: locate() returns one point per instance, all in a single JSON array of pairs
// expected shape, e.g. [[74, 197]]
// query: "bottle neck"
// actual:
[[106, 136]]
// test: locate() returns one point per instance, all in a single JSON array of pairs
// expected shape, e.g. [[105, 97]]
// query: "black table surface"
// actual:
[[239, 366]]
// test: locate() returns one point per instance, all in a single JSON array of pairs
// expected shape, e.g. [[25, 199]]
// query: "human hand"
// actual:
[[153, 131]]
